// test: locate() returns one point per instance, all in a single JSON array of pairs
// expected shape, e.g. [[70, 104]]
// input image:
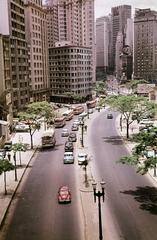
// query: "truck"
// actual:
[[48, 138]]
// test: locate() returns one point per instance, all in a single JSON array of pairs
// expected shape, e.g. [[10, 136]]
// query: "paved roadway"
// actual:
[[35, 212], [130, 197]]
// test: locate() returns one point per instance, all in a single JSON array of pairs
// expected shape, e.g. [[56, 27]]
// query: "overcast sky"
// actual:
[[103, 7]]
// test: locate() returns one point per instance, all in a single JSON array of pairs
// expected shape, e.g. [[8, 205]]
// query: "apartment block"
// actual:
[[145, 45], [36, 36], [70, 71], [72, 21]]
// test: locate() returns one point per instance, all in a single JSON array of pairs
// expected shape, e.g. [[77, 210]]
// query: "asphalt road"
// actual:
[[35, 213], [130, 197]]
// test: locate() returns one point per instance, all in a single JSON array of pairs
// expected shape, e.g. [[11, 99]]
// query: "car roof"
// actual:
[[64, 188], [82, 154]]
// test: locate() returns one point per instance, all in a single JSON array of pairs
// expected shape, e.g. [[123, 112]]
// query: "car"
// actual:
[[69, 146], [21, 127], [64, 195], [82, 157], [65, 132], [74, 127], [72, 137], [90, 110], [8, 146], [109, 116], [76, 122], [68, 157]]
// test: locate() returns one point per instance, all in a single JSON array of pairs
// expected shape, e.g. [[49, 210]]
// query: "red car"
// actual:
[[64, 195]]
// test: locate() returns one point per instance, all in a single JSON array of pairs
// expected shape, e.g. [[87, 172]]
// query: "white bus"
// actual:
[[68, 115], [59, 122], [48, 138]]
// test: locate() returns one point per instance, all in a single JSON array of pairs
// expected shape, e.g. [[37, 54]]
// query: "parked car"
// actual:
[[21, 127], [72, 137], [64, 195], [109, 116], [74, 127], [68, 157], [76, 122], [7, 146], [69, 146], [82, 157], [65, 132]]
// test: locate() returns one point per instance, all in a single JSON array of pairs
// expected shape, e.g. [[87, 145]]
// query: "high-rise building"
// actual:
[[36, 35], [72, 21], [102, 46], [119, 14], [19, 54], [145, 45]]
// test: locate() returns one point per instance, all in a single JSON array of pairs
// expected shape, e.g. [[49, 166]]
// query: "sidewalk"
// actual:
[[134, 128], [12, 185]]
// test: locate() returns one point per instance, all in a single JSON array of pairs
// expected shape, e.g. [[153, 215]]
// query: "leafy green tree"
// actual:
[[32, 121], [131, 107], [42, 110], [5, 166], [19, 147], [134, 83], [34, 112], [144, 154], [100, 87]]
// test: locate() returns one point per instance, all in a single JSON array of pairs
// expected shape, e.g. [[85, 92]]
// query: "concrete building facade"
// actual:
[[102, 47], [70, 71], [119, 15], [145, 45], [72, 21], [36, 35]]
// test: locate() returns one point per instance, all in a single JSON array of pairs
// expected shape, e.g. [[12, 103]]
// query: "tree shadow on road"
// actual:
[[146, 196], [114, 140]]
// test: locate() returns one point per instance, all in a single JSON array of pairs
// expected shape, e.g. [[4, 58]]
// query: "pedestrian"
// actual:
[[85, 127]]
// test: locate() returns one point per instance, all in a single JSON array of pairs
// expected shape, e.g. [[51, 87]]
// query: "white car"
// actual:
[[76, 122], [21, 127], [68, 157], [81, 158], [65, 132]]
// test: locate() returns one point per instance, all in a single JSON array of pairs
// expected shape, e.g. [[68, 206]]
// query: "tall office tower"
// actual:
[[102, 47], [36, 35], [145, 45], [120, 14], [14, 21], [72, 21]]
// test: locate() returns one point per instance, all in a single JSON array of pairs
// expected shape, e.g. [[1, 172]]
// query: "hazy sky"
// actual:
[[103, 7]]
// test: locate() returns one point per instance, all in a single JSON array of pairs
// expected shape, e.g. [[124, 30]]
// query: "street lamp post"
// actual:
[[14, 157], [82, 131], [99, 195]]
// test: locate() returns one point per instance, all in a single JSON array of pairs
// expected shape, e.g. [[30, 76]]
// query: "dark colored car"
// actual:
[[7, 146], [109, 116], [64, 195], [69, 147], [72, 137]]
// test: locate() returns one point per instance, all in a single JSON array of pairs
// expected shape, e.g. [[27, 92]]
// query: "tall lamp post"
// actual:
[[99, 195], [82, 131]]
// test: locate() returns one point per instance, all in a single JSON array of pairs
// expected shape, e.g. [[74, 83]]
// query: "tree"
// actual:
[[19, 147], [42, 109], [100, 87], [34, 112], [134, 83], [5, 166], [144, 154], [131, 107]]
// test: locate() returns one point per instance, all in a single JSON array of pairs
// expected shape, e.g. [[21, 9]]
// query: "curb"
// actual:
[[16, 188]]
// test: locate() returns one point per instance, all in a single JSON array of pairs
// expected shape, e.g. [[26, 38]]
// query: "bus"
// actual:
[[59, 122], [79, 109], [68, 115], [91, 104], [48, 138]]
